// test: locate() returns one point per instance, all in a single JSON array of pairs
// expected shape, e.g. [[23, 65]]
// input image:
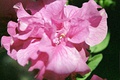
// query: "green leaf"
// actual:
[[80, 79], [93, 63], [101, 46], [109, 2]]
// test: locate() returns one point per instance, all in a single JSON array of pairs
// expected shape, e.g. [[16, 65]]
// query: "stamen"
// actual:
[[62, 36], [58, 40]]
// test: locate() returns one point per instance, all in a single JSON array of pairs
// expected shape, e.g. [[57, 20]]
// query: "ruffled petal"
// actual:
[[89, 10], [23, 55], [38, 65], [29, 27], [20, 10], [98, 34], [11, 28], [6, 43]]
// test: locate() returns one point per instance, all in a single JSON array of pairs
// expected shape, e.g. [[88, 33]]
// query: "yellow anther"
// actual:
[[62, 35]]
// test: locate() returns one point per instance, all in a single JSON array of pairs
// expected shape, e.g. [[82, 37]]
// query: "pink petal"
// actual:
[[11, 28], [52, 9], [23, 55], [78, 32], [20, 10], [42, 57], [66, 60], [70, 11], [82, 48], [55, 7], [95, 77], [98, 34], [6, 43], [94, 3], [38, 65], [89, 10], [29, 27], [45, 44], [41, 73], [84, 55], [23, 35], [25, 22]]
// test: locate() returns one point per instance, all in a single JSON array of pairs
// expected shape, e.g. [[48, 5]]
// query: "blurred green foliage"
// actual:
[[106, 3], [11, 70]]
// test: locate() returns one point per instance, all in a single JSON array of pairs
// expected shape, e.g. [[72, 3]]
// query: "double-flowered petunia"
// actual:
[[55, 38]]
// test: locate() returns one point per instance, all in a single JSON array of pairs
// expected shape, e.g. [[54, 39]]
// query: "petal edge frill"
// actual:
[[98, 34]]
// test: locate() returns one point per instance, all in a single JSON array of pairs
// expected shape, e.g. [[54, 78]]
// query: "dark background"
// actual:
[[108, 68]]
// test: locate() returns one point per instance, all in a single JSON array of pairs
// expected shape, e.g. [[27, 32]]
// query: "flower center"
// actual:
[[58, 39]]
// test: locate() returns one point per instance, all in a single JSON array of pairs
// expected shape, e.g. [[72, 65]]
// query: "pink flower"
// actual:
[[95, 77], [55, 37]]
